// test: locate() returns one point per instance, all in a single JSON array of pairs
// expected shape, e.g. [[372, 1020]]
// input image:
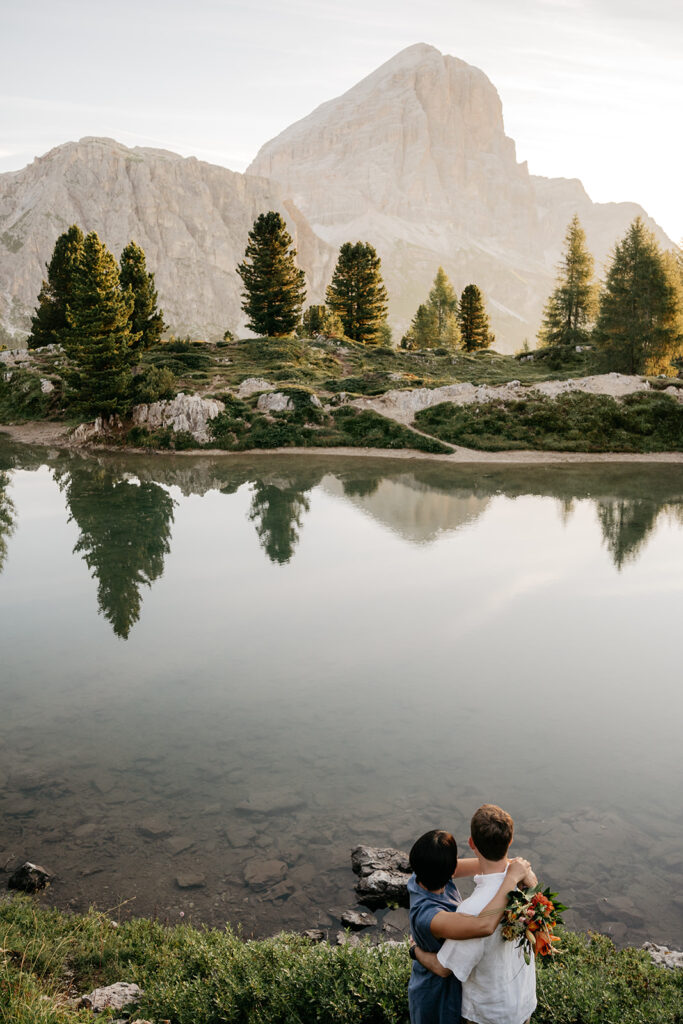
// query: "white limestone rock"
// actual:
[[15, 357], [274, 401], [663, 956], [115, 997], [251, 385], [188, 413], [403, 405], [96, 430]]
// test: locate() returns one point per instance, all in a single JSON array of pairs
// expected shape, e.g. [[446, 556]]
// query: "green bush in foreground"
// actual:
[[205, 976], [575, 422], [241, 427]]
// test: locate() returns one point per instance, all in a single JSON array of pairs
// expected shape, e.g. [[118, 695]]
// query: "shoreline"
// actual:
[[57, 435]]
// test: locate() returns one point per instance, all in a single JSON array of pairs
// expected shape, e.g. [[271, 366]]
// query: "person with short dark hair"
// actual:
[[434, 993], [498, 986]]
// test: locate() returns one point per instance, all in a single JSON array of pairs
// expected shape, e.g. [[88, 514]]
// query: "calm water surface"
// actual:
[[240, 668]]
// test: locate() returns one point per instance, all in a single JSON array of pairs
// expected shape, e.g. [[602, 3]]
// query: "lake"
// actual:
[[233, 670]]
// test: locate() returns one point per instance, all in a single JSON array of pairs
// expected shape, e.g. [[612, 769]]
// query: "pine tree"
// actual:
[[49, 320], [146, 320], [98, 338], [274, 289], [357, 293], [320, 320], [571, 308], [638, 325], [473, 320]]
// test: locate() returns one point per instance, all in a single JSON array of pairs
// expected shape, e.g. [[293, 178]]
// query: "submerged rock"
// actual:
[[260, 874], [29, 878], [270, 802], [190, 881], [154, 828]]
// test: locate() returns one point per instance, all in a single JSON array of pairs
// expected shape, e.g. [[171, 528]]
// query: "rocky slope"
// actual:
[[413, 159], [190, 217]]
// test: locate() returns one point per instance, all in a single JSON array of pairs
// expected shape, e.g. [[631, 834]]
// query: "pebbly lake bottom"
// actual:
[[218, 676]]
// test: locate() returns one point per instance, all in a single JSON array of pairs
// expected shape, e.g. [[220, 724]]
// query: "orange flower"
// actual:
[[543, 945]]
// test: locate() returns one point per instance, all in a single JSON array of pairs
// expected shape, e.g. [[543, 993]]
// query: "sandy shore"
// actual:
[[57, 435]]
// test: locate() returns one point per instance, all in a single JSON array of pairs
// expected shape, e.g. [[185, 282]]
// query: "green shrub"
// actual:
[[154, 384], [641, 422], [206, 976], [21, 396]]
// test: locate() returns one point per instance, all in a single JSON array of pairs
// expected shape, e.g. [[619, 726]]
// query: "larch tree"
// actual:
[[423, 329], [473, 320], [638, 327], [570, 310], [357, 294], [444, 302], [147, 321], [274, 288], [98, 338], [435, 322], [49, 321]]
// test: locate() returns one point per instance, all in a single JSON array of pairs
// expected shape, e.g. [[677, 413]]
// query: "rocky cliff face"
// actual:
[[413, 159], [190, 217]]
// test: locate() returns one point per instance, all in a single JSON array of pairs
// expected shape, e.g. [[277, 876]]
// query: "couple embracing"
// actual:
[[463, 968]]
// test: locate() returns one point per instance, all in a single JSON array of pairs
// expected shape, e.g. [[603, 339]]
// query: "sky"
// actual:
[[591, 89]]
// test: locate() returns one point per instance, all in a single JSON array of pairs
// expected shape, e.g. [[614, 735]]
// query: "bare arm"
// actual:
[[466, 867], [431, 962], [449, 925]]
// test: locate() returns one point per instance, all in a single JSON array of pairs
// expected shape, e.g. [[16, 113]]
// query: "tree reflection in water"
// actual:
[[125, 534], [7, 517], [626, 525], [277, 507]]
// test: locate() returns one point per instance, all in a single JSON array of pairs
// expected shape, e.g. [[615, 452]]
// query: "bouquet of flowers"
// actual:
[[530, 919]]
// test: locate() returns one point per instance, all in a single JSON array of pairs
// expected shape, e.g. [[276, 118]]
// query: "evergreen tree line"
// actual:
[[356, 300], [104, 315], [274, 289], [443, 321], [635, 319]]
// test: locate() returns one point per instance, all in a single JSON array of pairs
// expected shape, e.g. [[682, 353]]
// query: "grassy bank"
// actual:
[[192, 976], [574, 422]]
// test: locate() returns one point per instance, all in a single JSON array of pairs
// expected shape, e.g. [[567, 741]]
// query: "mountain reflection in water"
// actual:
[[124, 511], [297, 654]]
